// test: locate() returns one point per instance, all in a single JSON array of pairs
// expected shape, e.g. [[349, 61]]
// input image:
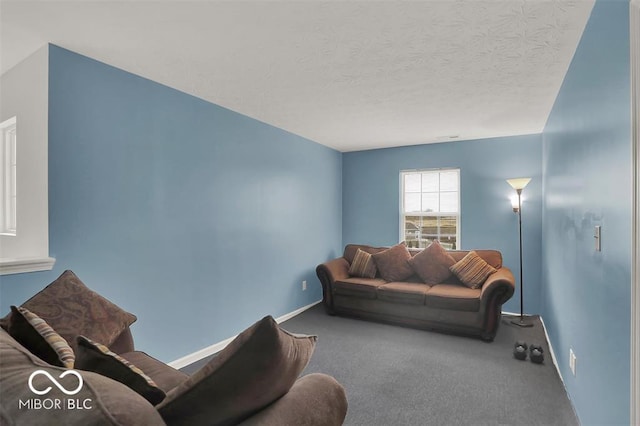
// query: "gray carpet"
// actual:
[[401, 376]]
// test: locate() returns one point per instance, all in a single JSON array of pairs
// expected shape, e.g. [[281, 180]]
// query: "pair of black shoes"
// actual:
[[536, 353]]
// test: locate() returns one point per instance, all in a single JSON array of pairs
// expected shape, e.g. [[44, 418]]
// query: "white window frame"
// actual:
[[8, 177], [24, 93], [404, 214]]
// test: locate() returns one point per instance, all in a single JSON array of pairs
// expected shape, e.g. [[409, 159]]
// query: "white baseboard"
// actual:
[[217, 347], [515, 314], [552, 353], [296, 312]]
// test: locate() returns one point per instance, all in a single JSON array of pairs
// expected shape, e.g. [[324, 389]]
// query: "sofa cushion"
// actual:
[[472, 270], [93, 356], [358, 287], [72, 309], [453, 297], [432, 264], [36, 335], [363, 265], [393, 263], [165, 376], [255, 369], [403, 292], [104, 401], [350, 250]]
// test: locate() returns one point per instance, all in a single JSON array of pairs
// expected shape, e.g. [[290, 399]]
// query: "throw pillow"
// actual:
[[72, 309], [472, 270], [393, 263], [363, 265], [256, 368], [96, 357], [35, 334], [432, 264]]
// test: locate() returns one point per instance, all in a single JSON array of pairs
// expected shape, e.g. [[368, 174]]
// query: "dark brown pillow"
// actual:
[[393, 263], [36, 335], [432, 264], [163, 375], [255, 369], [363, 265], [72, 309], [472, 270], [92, 356]]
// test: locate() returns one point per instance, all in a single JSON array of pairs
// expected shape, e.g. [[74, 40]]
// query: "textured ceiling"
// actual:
[[349, 75]]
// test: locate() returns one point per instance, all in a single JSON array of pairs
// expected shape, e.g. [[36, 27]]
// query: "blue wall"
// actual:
[[587, 169], [371, 191], [197, 219]]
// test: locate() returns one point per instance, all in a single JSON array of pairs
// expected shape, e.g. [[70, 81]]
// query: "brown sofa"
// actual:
[[253, 381], [447, 306]]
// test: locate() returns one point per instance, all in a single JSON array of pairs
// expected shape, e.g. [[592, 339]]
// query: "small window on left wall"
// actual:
[[8, 177]]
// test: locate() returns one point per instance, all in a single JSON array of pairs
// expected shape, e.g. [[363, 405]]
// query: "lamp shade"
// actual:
[[518, 183]]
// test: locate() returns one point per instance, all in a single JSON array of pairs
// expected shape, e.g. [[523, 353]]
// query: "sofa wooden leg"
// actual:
[[487, 337]]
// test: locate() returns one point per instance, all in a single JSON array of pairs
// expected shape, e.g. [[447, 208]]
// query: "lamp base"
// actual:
[[520, 323]]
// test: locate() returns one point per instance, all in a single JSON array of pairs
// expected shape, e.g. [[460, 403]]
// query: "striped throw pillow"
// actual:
[[96, 357], [363, 265], [36, 335], [472, 270]]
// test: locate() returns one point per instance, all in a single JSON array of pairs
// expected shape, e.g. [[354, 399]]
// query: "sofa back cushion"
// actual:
[[350, 250], [99, 400], [492, 257]]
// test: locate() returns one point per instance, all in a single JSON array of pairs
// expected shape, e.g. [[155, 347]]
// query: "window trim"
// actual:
[[20, 266], [24, 93], [8, 149], [14, 266], [402, 214]]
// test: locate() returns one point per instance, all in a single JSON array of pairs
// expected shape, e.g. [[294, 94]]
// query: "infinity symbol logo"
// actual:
[[55, 382]]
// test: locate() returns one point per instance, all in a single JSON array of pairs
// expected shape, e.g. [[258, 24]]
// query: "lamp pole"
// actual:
[[520, 322]]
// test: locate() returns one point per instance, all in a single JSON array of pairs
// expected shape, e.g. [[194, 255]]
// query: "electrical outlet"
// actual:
[[304, 285], [572, 361]]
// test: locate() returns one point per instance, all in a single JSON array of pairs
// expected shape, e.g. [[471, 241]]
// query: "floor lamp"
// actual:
[[518, 184]]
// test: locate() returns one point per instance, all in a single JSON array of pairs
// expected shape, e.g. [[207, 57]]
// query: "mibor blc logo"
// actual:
[[70, 389], [55, 382]]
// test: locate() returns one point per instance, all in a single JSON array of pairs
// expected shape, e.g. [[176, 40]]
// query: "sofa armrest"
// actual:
[[335, 269], [315, 399], [501, 284], [498, 288], [328, 273]]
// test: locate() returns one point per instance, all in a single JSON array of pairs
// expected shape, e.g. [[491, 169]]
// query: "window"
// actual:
[[430, 207], [8, 177]]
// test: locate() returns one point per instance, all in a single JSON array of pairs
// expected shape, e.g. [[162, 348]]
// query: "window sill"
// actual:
[[19, 266]]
